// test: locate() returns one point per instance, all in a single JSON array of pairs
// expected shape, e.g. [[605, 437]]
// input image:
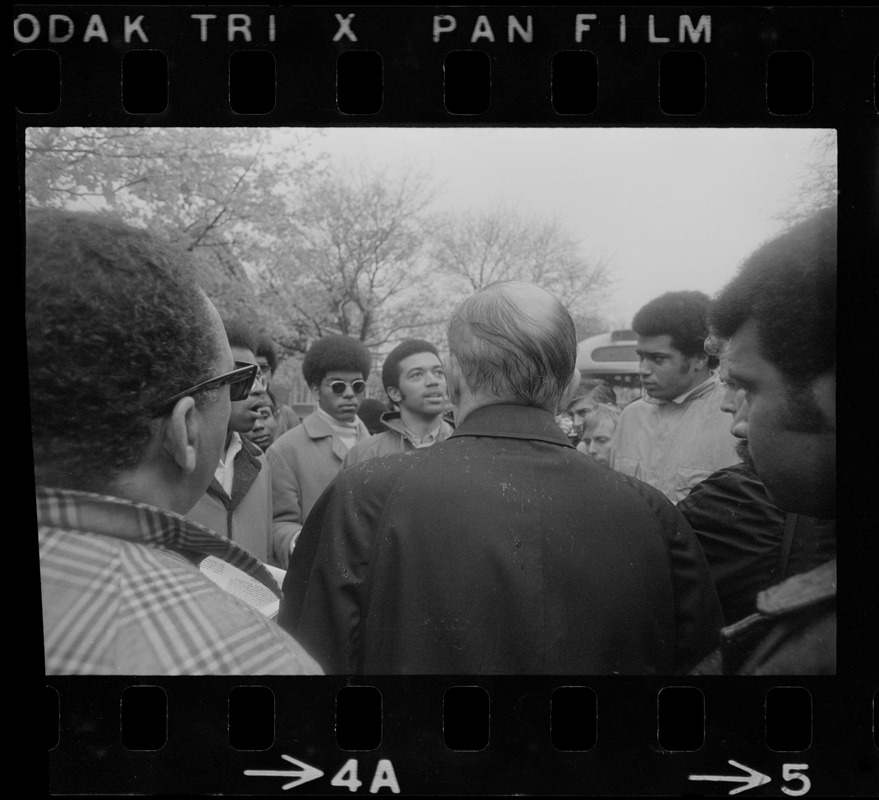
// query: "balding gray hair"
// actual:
[[515, 341]]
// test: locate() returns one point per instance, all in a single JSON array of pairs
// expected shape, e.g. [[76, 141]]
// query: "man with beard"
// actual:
[[415, 382], [778, 316], [675, 435], [749, 543]]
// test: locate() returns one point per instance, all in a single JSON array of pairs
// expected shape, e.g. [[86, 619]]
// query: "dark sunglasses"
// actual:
[[240, 382], [338, 387]]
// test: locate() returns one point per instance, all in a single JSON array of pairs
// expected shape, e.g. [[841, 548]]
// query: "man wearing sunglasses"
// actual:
[[131, 384], [304, 460], [238, 501]]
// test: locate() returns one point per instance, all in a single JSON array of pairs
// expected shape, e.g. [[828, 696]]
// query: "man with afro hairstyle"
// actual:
[[415, 382], [305, 459], [675, 435]]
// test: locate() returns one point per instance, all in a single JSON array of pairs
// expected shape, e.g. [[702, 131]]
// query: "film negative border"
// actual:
[[504, 742], [406, 59], [321, 69]]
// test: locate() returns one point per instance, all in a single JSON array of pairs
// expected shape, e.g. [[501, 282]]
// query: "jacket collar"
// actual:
[[83, 512], [505, 421], [800, 591], [706, 387], [394, 422], [318, 428], [247, 467]]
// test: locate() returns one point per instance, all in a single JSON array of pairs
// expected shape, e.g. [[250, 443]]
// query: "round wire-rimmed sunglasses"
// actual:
[[338, 387]]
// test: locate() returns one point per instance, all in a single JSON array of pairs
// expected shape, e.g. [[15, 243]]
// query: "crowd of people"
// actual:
[[495, 512]]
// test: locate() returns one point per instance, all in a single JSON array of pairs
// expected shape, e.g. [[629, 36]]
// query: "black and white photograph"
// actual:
[[443, 399], [552, 285]]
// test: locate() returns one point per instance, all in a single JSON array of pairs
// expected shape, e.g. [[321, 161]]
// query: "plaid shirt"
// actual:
[[122, 596]]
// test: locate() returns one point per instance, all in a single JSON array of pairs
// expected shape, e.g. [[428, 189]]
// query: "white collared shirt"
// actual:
[[428, 439], [225, 472]]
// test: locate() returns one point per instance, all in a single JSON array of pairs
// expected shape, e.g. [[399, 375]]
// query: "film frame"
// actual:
[[86, 723]]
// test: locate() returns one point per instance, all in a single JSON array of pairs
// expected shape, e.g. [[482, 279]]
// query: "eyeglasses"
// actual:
[[240, 382], [338, 387]]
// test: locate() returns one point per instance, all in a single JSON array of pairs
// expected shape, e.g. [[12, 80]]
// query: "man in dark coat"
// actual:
[[781, 354], [749, 543], [501, 550]]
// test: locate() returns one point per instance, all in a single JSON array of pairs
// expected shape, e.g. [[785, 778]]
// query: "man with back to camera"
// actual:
[[675, 435], [131, 379], [415, 382], [304, 460], [778, 315], [501, 550], [238, 501]]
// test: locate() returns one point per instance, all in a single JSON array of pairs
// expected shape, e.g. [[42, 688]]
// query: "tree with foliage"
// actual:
[[218, 192]]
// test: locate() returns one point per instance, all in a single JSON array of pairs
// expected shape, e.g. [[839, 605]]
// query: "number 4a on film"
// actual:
[[384, 776]]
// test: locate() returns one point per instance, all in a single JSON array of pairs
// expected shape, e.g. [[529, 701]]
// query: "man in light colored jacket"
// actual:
[[305, 459], [676, 434]]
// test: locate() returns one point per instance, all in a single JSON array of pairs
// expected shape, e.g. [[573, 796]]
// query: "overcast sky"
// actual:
[[667, 208]]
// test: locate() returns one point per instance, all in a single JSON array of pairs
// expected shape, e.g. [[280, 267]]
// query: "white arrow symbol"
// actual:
[[304, 774], [751, 780]]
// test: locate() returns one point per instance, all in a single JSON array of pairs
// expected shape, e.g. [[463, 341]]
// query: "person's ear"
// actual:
[[181, 434], [453, 380], [394, 394], [568, 393]]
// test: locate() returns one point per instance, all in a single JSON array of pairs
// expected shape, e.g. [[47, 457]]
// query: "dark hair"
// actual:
[[406, 348], [680, 315], [115, 324], [370, 413], [240, 335], [515, 341], [265, 347], [788, 286], [343, 353]]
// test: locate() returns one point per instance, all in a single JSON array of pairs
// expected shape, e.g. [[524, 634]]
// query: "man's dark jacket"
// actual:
[[749, 543], [500, 550]]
